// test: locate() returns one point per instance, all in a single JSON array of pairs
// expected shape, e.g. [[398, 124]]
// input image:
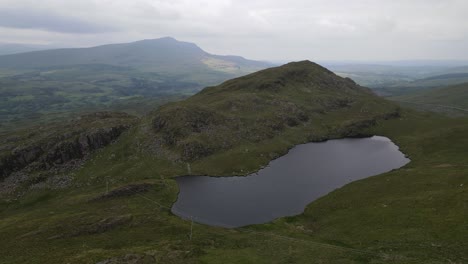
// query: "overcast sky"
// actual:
[[256, 29]]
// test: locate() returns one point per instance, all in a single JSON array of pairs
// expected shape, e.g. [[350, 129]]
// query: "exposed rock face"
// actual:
[[48, 154], [32, 156], [84, 144]]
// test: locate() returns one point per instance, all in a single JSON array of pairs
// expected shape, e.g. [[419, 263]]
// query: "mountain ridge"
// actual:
[[134, 54], [103, 77]]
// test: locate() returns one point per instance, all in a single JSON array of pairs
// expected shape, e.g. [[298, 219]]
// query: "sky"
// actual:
[[364, 30]]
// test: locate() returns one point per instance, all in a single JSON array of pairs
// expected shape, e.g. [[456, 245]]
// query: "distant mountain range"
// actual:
[[155, 55], [39, 83], [14, 48]]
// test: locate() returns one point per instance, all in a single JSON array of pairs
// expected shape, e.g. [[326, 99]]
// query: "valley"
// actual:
[[233, 132], [112, 202], [133, 77]]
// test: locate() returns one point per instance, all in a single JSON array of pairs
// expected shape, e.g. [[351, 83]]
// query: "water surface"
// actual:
[[287, 184]]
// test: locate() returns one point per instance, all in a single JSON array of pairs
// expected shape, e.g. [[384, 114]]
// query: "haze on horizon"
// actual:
[[257, 29]]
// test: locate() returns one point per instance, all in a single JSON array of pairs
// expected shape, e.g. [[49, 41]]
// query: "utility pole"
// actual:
[[191, 227]]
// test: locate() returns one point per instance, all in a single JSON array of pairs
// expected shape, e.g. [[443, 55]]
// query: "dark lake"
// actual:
[[287, 184]]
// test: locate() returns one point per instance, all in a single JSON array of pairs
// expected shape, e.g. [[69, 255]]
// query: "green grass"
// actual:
[[451, 98], [59, 82], [416, 214], [438, 81], [284, 105], [38, 95]]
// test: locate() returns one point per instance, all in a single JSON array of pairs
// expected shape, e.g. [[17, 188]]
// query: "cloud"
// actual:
[[259, 29], [48, 21]]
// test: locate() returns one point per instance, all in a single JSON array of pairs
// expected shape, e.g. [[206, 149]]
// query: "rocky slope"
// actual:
[[35, 154], [261, 106]]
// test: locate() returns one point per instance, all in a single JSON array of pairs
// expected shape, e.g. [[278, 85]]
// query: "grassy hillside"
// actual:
[[451, 99], [423, 85], [456, 96], [116, 209], [248, 110], [35, 96], [438, 80]]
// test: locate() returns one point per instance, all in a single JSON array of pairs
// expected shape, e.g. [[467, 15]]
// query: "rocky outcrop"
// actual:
[[19, 159], [59, 149], [46, 156], [359, 128], [81, 146]]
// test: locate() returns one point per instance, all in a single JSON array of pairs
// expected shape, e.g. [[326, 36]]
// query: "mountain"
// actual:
[[299, 96], [99, 188], [13, 48], [61, 81], [155, 55], [264, 105]]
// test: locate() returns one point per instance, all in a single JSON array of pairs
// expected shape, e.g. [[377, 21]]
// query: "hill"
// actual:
[[299, 97], [114, 206], [428, 83], [263, 105], [165, 55], [439, 80], [61, 81], [452, 98]]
